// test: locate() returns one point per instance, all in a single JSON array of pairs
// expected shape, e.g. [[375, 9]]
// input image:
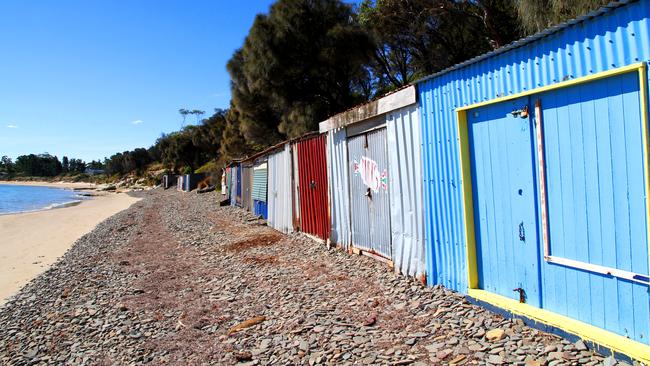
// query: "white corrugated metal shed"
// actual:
[[280, 206]]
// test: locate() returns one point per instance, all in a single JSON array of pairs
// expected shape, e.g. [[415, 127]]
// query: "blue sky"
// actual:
[[88, 78]]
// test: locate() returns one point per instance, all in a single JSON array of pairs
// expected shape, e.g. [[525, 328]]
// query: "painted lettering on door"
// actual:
[[370, 175]]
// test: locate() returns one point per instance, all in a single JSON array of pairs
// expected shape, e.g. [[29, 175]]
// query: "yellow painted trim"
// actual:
[[563, 84], [615, 342], [643, 89], [468, 204]]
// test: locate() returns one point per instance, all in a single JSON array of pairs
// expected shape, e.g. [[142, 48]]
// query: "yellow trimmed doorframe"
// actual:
[[614, 342]]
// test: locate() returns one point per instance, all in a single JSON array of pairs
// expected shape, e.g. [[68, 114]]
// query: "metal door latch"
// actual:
[[368, 193], [521, 113], [522, 294], [312, 184], [522, 232]]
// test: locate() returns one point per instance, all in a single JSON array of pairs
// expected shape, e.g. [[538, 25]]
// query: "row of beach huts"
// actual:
[[520, 178]]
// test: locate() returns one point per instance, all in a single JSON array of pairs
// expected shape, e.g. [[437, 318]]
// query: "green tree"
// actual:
[[95, 164], [537, 15], [76, 166], [42, 165], [115, 164], [6, 165], [184, 113], [233, 143], [65, 163], [414, 38], [300, 64], [136, 160]]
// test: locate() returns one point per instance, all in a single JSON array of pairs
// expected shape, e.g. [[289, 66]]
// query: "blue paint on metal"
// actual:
[[260, 208], [503, 171], [595, 180], [238, 187], [610, 38]]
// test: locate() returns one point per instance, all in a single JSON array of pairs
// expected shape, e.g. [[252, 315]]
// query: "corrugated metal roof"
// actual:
[[526, 40], [278, 146]]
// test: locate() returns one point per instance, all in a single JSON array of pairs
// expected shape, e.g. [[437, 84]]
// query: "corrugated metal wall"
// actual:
[[260, 208], [260, 181], [295, 187], [405, 187], [180, 183], [260, 184], [169, 180], [312, 174], [337, 174], [280, 204], [369, 197], [238, 187], [247, 186], [234, 169], [615, 39], [188, 183]]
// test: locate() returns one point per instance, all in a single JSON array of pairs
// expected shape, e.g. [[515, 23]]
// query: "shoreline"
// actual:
[[85, 191], [55, 206], [33, 241], [63, 185]]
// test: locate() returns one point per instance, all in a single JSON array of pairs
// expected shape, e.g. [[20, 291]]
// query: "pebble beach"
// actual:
[[177, 280]]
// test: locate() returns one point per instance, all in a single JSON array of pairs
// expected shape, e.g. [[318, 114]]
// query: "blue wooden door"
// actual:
[[596, 202], [238, 186], [503, 177]]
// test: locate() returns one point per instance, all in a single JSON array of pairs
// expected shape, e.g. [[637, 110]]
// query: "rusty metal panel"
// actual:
[[280, 204], [312, 186], [405, 187], [369, 192], [339, 193]]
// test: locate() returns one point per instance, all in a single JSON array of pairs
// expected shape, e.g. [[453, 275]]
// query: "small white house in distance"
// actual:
[[91, 171]]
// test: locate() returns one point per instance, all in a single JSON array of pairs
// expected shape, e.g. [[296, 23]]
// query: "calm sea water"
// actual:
[[26, 198]]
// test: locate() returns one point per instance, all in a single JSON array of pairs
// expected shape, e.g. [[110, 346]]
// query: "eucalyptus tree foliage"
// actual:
[[537, 15], [300, 63], [414, 38]]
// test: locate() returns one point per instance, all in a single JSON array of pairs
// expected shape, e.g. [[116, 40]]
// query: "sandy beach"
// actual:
[[31, 242]]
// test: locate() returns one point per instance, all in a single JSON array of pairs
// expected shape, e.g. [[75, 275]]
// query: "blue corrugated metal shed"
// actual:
[[594, 171]]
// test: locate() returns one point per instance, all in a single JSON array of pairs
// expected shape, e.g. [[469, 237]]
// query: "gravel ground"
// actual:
[[178, 280]]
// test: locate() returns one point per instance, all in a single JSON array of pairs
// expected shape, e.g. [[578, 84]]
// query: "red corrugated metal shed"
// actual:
[[312, 186]]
